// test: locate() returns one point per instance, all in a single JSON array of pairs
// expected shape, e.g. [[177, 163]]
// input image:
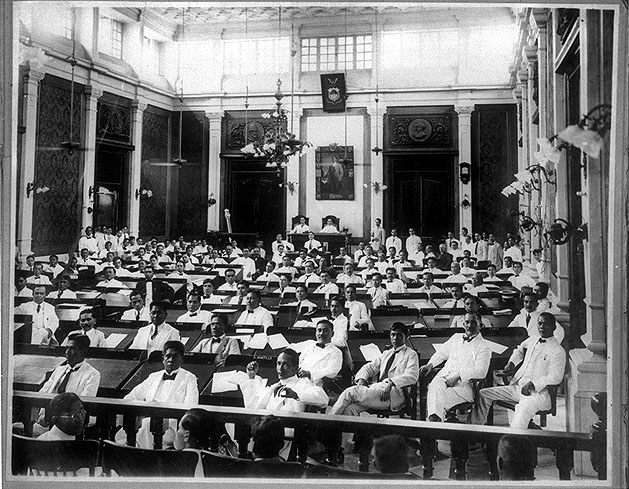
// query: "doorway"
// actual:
[[256, 201], [110, 186], [421, 194]]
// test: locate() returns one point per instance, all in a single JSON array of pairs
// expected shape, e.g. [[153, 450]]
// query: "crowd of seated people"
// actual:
[[346, 289]]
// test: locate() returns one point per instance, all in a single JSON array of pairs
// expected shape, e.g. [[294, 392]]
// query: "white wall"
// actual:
[[323, 130]]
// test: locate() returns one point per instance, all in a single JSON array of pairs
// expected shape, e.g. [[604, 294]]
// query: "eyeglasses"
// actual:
[[77, 416]]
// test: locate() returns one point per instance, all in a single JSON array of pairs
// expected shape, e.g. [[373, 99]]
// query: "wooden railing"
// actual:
[[106, 410]]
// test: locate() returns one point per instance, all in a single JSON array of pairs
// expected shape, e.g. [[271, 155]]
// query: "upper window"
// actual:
[[254, 56], [110, 37], [62, 24], [336, 53]]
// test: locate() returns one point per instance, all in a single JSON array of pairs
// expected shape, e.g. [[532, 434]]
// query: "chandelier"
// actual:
[[277, 145]]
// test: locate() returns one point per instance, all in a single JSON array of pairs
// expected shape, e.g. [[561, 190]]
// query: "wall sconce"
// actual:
[[211, 201], [30, 188], [537, 171], [465, 172], [465, 203], [90, 191], [561, 231], [377, 186], [291, 186], [526, 223], [146, 192]]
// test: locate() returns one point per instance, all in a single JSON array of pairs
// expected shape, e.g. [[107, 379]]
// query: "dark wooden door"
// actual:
[[421, 195], [255, 199], [110, 185]]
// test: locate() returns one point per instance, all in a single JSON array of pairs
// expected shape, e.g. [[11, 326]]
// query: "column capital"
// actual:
[[33, 76], [517, 93], [540, 17], [523, 76], [93, 92], [138, 106], [464, 109], [215, 116], [531, 54]]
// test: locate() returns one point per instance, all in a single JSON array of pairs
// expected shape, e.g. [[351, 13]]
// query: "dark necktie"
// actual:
[[528, 319], [321, 345], [387, 367], [137, 315], [468, 338], [38, 308], [154, 333], [240, 300], [216, 340], [59, 294], [64, 382], [169, 376]]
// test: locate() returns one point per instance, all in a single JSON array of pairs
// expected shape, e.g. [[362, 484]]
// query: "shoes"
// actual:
[[246, 456]]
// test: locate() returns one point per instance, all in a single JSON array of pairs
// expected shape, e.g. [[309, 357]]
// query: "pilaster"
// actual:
[[92, 94], [465, 155], [135, 171], [32, 78], [292, 172], [214, 168]]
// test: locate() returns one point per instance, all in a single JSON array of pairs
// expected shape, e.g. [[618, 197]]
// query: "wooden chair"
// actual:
[[409, 409], [217, 465], [139, 462], [295, 220], [552, 390], [42, 457], [335, 220]]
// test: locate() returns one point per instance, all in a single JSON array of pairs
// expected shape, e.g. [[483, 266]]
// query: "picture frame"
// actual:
[[334, 167]]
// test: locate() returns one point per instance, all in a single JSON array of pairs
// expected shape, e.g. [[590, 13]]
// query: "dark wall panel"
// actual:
[[56, 212], [494, 161]]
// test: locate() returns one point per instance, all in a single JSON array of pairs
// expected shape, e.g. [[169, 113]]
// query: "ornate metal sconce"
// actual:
[[538, 171], [561, 231], [143, 191]]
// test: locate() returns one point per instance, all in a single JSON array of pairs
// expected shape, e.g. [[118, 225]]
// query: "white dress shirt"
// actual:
[[393, 242], [55, 434], [340, 325], [519, 281], [515, 253], [259, 315], [379, 296], [41, 280], [327, 289], [256, 396], [89, 243], [468, 359], [301, 228], [358, 314], [395, 286], [143, 340], [312, 244], [320, 361], [198, 316], [223, 345], [44, 317], [411, 244], [83, 381], [97, 338], [132, 315], [345, 279]]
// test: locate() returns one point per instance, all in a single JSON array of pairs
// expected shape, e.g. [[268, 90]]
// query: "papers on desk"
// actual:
[[503, 312], [277, 341], [185, 339], [224, 310], [303, 323], [442, 317], [370, 351], [438, 347], [423, 304], [260, 340], [496, 348], [227, 381], [114, 339], [92, 294]]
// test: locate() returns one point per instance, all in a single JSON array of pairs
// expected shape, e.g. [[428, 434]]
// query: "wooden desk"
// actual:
[[29, 371], [383, 318], [126, 341], [334, 240], [114, 373], [203, 372]]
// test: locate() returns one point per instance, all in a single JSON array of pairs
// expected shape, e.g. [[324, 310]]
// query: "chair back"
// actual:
[[139, 462], [335, 220], [295, 220], [43, 457], [217, 465]]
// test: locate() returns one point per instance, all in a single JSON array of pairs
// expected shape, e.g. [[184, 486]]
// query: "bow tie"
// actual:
[[169, 376], [468, 338], [216, 340], [193, 314], [321, 345], [541, 340]]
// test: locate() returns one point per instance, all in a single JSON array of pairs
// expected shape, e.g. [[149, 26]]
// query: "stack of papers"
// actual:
[[503, 312], [370, 351], [114, 339], [260, 340]]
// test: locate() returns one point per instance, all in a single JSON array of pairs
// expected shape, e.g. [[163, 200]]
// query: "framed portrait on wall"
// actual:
[[334, 167]]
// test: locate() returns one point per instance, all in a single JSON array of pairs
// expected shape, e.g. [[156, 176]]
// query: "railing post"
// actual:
[[157, 429], [129, 426], [428, 449], [565, 463], [599, 435], [492, 453]]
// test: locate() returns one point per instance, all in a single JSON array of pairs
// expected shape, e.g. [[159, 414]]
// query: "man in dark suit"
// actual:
[[217, 342], [153, 289], [444, 259]]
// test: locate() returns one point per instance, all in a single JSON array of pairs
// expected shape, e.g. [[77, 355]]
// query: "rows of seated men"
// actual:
[[307, 376]]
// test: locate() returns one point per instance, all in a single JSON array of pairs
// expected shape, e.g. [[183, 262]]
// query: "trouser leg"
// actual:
[[487, 397]]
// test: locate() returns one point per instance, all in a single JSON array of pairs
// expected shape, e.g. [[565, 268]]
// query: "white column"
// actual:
[[27, 165], [465, 155], [534, 197], [135, 170], [214, 169], [92, 94], [292, 173]]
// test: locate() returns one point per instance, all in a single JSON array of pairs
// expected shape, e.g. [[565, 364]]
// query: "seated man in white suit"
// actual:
[[45, 320], [466, 356], [543, 363], [380, 383], [157, 333], [527, 318], [171, 385]]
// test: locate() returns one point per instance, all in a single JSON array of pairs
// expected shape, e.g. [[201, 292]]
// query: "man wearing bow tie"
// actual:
[[45, 320], [466, 356], [195, 314], [157, 333], [543, 362], [255, 313], [380, 383], [218, 343], [529, 315], [171, 385], [88, 242]]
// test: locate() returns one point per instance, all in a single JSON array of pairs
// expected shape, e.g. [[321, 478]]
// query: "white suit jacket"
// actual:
[[544, 363], [320, 362], [143, 341], [257, 396], [45, 318], [183, 391], [404, 371], [469, 359], [83, 382]]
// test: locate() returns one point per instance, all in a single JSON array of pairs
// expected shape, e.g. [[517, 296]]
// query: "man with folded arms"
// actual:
[[466, 356], [157, 333], [543, 363]]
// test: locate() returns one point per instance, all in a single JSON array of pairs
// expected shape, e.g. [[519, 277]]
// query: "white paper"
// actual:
[[503, 312], [438, 347], [114, 339], [225, 310], [496, 348], [248, 331], [185, 339], [370, 351], [277, 341], [227, 381], [423, 304], [258, 341], [303, 323], [442, 317]]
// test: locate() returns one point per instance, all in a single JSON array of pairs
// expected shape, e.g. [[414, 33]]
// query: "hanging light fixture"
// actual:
[[376, 149], [71, 144], [277, 145]]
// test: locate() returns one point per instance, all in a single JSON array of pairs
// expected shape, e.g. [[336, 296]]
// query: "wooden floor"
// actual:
[[477, 466]]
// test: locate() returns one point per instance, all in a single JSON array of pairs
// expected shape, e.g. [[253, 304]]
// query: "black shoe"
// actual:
[[246, 456]]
